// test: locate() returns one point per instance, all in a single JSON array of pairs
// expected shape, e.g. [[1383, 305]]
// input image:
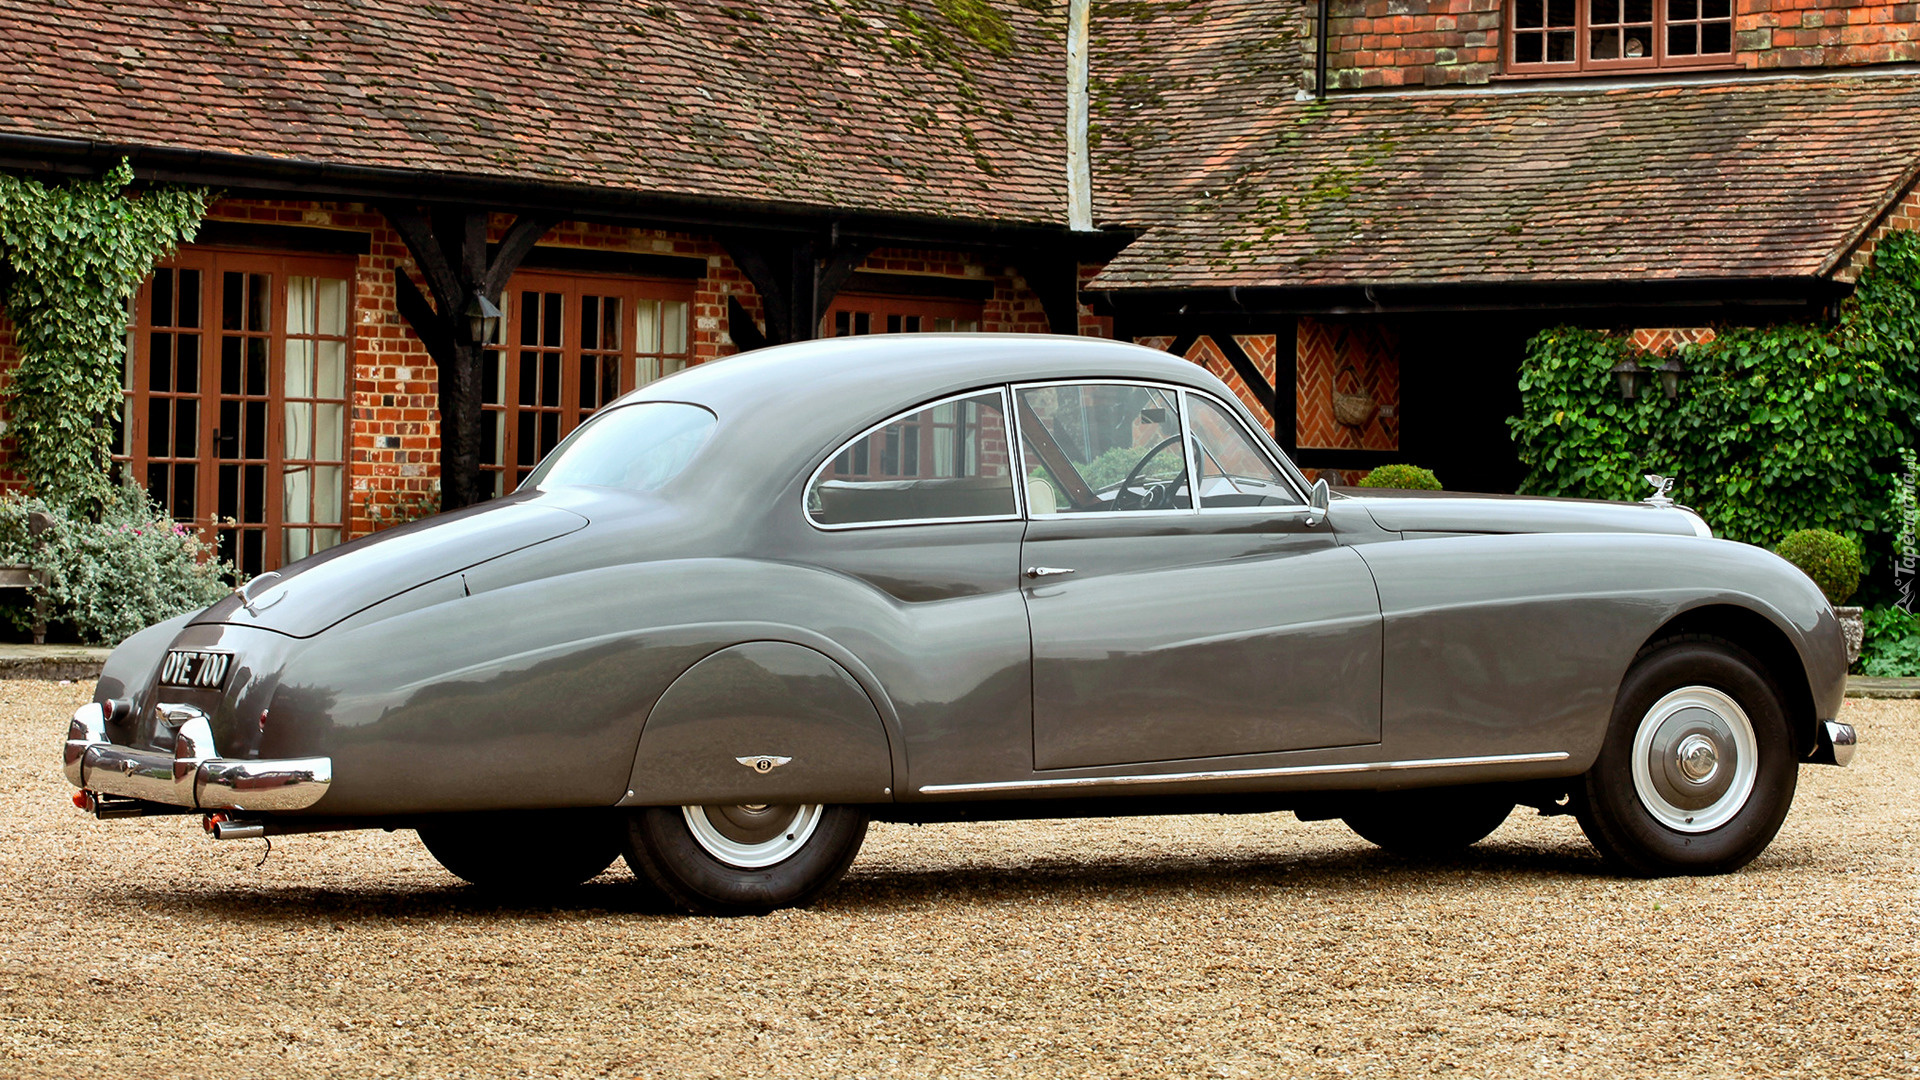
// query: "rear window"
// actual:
[[638, 447], [943, 462]]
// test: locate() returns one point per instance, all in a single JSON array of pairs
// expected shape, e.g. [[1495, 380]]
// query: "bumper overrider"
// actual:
[[191, 776], [1833, 743]]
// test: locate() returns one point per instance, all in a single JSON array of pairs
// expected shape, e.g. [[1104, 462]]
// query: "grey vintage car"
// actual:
[[749, 608]]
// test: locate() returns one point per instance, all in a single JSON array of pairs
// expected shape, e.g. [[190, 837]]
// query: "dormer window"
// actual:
[[1597, 36]]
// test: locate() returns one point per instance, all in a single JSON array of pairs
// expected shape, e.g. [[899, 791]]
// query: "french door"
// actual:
[[567, 345], [236, 400]]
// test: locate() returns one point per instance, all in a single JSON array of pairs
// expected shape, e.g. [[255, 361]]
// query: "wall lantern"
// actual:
[[1633, 375], [483, 318], [1630, 374]]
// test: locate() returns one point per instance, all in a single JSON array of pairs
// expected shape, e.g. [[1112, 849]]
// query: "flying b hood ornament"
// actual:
[[1661, 485]]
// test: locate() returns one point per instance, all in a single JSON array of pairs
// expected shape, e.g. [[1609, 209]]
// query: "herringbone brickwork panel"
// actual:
[[1360, 360]]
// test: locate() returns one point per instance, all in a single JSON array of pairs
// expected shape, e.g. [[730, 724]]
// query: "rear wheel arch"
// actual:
[[765, 721], [1766, 641]]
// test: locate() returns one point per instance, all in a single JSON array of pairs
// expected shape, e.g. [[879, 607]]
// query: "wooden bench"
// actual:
[[32, 579]]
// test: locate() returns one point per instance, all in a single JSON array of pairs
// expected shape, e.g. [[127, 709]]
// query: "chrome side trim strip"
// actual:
[[1242, 774]]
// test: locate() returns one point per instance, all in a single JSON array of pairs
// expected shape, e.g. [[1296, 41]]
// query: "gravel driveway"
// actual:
[[1188, 946]]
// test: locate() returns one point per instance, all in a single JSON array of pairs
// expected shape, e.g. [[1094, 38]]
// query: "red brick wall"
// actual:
[[1382, 43], [1360, 360], [1905, 216]]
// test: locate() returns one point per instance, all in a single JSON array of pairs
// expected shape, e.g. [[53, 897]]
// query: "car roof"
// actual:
[[798, 401], [855, 376]]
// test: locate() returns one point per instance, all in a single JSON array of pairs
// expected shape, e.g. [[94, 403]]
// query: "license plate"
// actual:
[[196, 670]]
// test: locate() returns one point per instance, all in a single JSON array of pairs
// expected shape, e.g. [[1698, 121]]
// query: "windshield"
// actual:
[[638, 447]]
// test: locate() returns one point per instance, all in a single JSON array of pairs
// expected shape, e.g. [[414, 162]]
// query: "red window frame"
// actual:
[[549, 369], [238, 368], [1600, 35], [854, 314]]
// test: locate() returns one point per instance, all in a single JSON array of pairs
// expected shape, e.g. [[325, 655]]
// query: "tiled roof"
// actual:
[[1205, 144], [951, 108]]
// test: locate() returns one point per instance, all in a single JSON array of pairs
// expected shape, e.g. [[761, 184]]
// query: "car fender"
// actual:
[[1503, 644], [763, 722]]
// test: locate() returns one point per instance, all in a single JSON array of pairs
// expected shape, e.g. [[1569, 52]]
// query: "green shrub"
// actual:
[[1892, 646], [1831, 560], [129, 569], [1405, 477], [1776, 428]]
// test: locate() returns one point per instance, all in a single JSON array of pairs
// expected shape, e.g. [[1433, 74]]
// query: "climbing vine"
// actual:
[[1776, 428], [76, 253]]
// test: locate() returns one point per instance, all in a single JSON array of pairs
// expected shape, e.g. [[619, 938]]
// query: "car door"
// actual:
[[1164, 630]]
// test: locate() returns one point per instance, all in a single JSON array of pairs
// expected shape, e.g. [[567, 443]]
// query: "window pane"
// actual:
[[298, 432], [1716, 38], [1681, 10], [299, 368], [1639, 11], [1529, 48], [326, 493], [1560, 47], [646, 336], [296, 495], [300, 302], [329, 432], [673, 322], [1561, 12], [1102, 447], [1680, 41], [331, 318], [330, 370], [1233, 471], [942, 463], [296, 544]]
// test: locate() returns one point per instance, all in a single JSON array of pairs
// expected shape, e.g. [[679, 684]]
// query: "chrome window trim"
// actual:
[[1242, 774], [1005, 411], [1101, 515]]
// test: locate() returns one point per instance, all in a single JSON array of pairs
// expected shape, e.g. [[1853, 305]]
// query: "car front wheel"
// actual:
[[743, 860], [1698, 768]]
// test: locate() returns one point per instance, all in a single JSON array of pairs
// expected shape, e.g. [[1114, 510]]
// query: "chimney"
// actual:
[[1079, 164]]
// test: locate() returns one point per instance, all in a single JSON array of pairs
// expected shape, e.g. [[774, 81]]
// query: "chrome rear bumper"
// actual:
[[1834, 743], [191, 776]]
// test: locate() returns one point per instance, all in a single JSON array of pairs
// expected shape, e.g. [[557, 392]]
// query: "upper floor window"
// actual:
[[853, 314], [1551, 36]]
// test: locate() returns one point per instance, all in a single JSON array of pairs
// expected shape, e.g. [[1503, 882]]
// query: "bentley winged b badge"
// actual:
[[1661, 486], [762, 763]]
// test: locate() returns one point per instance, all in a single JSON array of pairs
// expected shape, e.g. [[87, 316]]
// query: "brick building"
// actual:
[[1353, 211]]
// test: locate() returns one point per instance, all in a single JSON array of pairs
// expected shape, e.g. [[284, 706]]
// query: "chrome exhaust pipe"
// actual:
[[222, 827]]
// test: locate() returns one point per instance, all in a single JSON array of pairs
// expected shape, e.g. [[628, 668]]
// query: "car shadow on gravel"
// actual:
[[1358, 871], [879, 889]]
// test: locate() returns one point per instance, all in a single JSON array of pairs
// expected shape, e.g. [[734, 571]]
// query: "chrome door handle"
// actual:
[[1047, 571]]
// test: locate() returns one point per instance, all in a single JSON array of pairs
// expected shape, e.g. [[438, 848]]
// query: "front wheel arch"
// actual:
[[1747, 629]]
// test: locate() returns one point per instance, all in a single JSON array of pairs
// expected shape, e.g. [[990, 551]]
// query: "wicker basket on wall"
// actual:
[[1353, 409]]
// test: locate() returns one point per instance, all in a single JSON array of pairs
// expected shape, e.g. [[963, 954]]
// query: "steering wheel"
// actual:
[[1157, 495]]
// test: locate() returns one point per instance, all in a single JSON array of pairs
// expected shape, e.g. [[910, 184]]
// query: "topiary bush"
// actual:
[[1892, 646], [1403, 477], [131, 567], [1831, 560]]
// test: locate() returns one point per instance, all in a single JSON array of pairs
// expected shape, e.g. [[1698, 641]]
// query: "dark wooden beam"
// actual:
[[796, 277], [1054, 277], [449, 246]]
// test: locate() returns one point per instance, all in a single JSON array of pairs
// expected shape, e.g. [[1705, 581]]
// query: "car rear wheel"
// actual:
[[743, 860], [1430, 822], [525, 853], [1698, 769]]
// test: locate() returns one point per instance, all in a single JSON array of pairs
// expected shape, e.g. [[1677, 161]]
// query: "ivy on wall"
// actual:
[[76, 254], [1776, 428]]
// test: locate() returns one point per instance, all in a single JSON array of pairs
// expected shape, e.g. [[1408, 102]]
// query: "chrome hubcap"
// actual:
[[752, 836], [1694, 759]]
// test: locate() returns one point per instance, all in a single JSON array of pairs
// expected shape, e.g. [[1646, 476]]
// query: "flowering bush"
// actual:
[[129, 569]]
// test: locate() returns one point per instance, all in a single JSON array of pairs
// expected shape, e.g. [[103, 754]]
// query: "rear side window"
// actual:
[[948, 461]]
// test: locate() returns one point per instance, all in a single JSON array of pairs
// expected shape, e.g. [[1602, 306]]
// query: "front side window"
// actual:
[[638, 447], [1607, 35], [1100, 447], [1233, 471], [943, 462]]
